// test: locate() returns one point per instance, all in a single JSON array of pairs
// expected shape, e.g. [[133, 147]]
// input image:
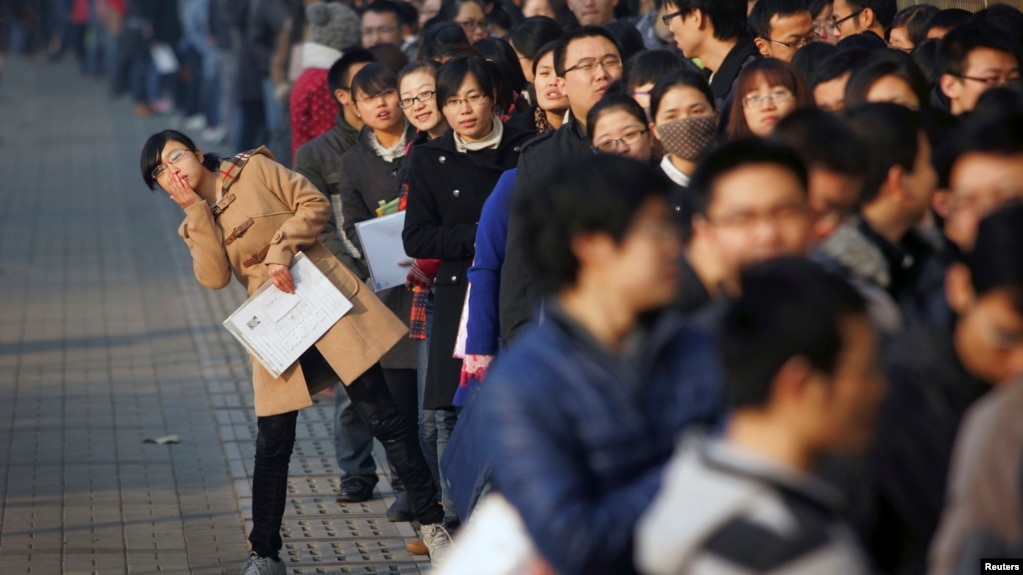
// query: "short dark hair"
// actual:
[[894, 64], [949, 19], [839, 64], [649, 66], [822, 140], [1000, 135], [728, 16], [374, 79], [630, 41], [999, 101], [529, 35], [790, 307], [884, 10], [601, 193], [561, 52], [384, 7], [916, 19], [957, 45], [1006, 18], [764, 10], [679, 78], [996, 262], [338, 77], [776, 73], [866, 40], [809, 58], [818, 6], [390, 55], [740, 154], [613, 102], [439, 39], [151, 150], [505, 68], [891, 137], [925, 54], [452, 73]]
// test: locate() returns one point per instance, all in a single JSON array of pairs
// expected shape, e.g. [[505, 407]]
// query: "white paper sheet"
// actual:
[[383, 249], [277, 327]]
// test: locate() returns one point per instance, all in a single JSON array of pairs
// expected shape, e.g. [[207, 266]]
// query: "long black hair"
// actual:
[[150, 157]]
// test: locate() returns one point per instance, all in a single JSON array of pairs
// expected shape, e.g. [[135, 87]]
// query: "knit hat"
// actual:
[[333, 24]]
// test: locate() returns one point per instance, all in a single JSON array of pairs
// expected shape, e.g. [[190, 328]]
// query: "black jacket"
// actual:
[[520, 294], [447, 190], [723, 83]]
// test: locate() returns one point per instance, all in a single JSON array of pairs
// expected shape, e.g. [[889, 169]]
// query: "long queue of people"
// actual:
[[724, 287]]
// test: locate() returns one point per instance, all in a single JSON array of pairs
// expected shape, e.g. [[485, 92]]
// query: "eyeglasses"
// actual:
[[423, 97], [798, 43], [473, 100], [470, 25], [758, 100], [822, 27], [668, 17], [589, 65], [837, 21], [629, 138], [994, 81], [173, 158], [378, 30], [779, 215], [385, 94]]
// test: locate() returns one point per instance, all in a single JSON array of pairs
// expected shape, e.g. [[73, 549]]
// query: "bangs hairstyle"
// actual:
[[428, 66], [790, 307], [614, 103], [453, 72], [373, 79], [649, 66], [676, 79], [775, 73], [153, 148], [600, 194], [550, 47], [895, 64]]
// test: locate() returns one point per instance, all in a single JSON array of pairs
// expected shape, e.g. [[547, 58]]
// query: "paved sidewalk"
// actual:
[[106, 340]]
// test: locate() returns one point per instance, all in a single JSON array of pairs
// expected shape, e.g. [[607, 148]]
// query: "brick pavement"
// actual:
[[105, 340]]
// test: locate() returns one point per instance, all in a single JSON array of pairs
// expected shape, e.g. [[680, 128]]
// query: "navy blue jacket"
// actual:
[[580, 437]]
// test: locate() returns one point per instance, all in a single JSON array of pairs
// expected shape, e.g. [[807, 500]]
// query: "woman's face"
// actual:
[[765, 104], [430, 9], [824, 25], [470, 111], [537, 8], [549, 95], [379, 111], [177, 161], [682, 102], [473, 20], [898, 38], [895, 90], [619, 132], [421, 86]]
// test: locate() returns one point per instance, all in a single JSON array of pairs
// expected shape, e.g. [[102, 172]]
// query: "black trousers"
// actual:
[[276, 439]]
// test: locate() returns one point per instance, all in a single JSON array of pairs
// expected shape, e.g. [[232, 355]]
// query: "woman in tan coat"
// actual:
[[249, 217]]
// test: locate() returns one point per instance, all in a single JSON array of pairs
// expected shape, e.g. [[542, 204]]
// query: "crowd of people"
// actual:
[[695, 286]]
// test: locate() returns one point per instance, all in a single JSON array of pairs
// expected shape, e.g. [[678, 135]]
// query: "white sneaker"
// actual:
[[257, 565], [438, 541], [196, 122]]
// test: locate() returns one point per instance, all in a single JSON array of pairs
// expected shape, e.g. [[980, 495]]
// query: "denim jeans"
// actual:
[[427, 417], [446, 420], [353, 443]]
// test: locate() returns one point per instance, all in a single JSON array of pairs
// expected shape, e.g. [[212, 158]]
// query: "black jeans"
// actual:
[[276, 439], [405, 392]]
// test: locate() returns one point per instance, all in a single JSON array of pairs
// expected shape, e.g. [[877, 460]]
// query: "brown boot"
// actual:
[[417, 547]]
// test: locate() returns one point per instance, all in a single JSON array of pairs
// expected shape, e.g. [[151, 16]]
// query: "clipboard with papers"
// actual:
[[277, 327]]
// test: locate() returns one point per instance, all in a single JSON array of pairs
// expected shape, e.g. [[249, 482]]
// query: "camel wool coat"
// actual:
[[266, 214]]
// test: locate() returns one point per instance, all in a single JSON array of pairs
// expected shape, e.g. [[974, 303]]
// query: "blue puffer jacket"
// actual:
[[580, 437]]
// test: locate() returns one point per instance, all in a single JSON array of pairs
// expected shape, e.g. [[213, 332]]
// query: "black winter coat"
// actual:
[[447, 190]]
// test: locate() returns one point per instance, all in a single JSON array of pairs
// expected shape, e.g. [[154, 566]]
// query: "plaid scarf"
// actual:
[[420, 277]]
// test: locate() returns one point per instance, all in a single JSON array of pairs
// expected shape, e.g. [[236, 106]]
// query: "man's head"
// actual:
[[800, 354], [751, 204], [945, 21], [781, 27], [339, 77], [593, 12], [832, 76], [382, 24], [587, 62], [604, 224], [857, 16], [973, 59], [694, 22], [986, 294], [900, 179], [835, 164], [985, 171]]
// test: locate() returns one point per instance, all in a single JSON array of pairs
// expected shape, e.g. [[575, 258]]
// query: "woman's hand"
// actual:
[[281, 276], [181, 192]]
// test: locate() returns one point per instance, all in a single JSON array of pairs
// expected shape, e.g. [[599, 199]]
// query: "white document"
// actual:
[[278, 327], [164, 59], [383, 249]]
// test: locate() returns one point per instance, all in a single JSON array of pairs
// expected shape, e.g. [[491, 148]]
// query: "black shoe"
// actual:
[[399, 510], [355, 490]]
